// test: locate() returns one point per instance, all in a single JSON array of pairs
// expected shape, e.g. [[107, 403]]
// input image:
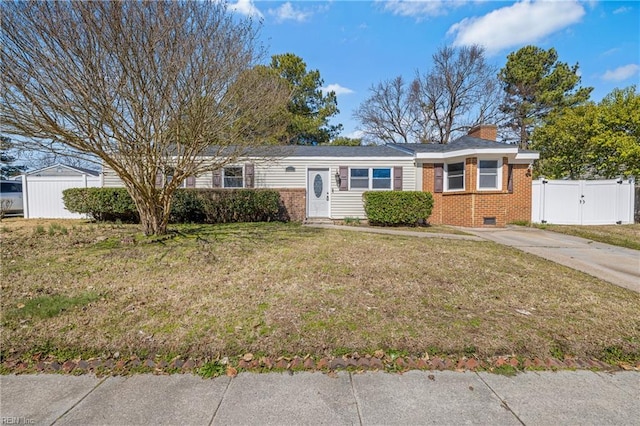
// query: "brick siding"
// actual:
[[484, 131], [469, 207], [294, 201]]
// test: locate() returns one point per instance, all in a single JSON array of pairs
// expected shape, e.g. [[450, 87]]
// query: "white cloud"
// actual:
[[622, 9], [287, 12], [522, 23], [420, 8], [356, 134], [611, 51], [621, 73], [339, 90], [246, 7]]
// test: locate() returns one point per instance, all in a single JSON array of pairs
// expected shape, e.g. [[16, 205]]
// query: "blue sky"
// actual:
[[356, 44]]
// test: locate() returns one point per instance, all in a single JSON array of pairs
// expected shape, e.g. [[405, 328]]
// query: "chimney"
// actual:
[[484, 131]]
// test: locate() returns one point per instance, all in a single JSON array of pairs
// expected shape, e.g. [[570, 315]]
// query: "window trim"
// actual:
[[446, 176], [370, 178], [498, 175], [223, 177]]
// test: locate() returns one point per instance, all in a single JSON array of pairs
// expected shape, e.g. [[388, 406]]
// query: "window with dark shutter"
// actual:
[[190, 182], [438, 177], [397, 178]]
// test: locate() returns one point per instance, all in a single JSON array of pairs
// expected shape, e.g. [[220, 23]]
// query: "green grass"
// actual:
[[48, 306], [283, 289]]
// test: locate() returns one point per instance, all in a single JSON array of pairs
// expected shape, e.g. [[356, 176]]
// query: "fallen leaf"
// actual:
[[231, 372]]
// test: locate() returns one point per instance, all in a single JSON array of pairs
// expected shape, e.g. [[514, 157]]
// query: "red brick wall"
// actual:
[[519, 207], [469, 207], [484, 131], [294, 201]]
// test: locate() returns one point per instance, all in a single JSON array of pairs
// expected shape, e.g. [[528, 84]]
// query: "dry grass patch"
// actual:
[[619, 235], [278, 289]]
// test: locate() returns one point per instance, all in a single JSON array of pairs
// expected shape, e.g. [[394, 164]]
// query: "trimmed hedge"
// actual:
[[226, 205], [103, 204], [393, 208], [187, 206]]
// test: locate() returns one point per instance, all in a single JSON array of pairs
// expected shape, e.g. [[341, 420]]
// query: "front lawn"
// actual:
[[618, 235], [80, 289]]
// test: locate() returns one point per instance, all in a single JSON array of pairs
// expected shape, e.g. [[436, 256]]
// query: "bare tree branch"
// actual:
[[141, 85], [459, 92], [387, 115]]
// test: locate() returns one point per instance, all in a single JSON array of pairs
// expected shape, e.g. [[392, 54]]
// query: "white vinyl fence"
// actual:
[[583, 202], [42, 195]]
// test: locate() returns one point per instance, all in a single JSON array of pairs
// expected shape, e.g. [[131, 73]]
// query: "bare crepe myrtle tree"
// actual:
[[144, 86]]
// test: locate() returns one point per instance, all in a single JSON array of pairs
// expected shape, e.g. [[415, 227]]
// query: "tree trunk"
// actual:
[[154, 212]]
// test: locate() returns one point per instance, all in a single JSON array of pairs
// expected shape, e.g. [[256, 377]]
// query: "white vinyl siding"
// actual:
[[110, 178], [274, 174]]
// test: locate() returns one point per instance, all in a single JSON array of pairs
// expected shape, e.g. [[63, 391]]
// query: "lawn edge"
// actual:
[[208, 368]]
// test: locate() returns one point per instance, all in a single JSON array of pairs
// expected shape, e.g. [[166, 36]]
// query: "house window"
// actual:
[[488, 176], [359, 179], [232, 177], [370, 178], [381, 179], [455, 176]]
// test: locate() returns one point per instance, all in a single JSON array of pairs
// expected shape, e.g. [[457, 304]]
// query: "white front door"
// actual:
[[318, 189]]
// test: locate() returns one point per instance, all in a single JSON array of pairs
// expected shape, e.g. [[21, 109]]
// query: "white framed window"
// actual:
[[454, 176], [359, 178], [370, 178], [232, 177], [489, 176]]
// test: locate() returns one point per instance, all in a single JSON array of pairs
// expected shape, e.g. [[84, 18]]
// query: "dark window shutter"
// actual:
[[248, 175], [159, 180], [510, 179], [217, 178], [191, 182], [438, 177], [344, 177], [397, 178]]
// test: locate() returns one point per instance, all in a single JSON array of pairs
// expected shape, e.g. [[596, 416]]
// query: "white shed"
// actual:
[[42, 190]]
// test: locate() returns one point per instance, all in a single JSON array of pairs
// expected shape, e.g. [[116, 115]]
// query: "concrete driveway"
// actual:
[[617, 265]]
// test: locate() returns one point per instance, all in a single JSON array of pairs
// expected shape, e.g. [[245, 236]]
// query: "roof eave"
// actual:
[[465, 153]]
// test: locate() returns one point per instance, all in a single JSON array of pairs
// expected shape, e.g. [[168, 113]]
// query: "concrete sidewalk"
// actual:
[[416, 397], [617, 265]]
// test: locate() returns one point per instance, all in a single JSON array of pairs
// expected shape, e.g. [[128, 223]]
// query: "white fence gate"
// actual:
[[42, 195], [582, 202]]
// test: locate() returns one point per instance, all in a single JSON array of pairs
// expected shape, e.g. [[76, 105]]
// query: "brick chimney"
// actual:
[[484, 131]]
